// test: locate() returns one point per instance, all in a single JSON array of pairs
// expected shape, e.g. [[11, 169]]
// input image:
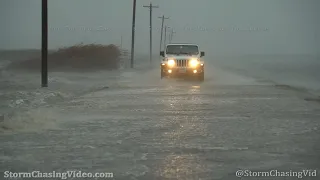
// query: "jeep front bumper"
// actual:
[[182, 70]]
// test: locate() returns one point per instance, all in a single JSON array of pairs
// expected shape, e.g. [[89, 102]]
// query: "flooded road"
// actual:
[[138, 126]]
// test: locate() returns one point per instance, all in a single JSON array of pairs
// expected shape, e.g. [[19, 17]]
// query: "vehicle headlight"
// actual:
[[194, 62], [171, 62]]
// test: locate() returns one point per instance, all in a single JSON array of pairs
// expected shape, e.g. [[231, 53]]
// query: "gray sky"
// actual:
[[219, 26]]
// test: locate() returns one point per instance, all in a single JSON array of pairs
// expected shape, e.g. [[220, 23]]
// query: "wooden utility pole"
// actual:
[[121, 42], [162, 23], [165, 36], [150, 9], [44, 45], [171, 35], [133, 31]]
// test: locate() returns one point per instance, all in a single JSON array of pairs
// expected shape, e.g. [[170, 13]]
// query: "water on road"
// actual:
[[138, 126]]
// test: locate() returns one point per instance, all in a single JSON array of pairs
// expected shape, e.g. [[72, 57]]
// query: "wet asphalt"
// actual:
[[141, 127]]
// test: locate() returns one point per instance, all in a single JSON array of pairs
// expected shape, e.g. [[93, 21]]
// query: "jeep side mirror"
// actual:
[[162, 53], [202, 53]]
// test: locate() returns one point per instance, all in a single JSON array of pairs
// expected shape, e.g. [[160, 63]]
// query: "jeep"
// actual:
[[182, 60]]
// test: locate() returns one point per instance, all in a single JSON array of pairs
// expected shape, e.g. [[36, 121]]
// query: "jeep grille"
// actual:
[[182, 63]]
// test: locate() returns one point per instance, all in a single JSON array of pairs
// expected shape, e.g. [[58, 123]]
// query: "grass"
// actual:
[[77, 57]]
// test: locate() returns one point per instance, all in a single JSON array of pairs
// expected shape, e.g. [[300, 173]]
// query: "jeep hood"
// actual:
[[182, 56]]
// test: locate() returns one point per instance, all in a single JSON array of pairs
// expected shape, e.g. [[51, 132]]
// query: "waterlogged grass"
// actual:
[[77, 57]]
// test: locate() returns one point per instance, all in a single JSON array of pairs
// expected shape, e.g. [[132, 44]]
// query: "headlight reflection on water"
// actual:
[[180, 165]]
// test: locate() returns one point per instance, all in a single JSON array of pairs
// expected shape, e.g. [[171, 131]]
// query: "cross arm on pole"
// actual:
[[151, 6], [164, 17]]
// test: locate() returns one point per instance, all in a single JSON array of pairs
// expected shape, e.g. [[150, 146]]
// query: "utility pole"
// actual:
[[121, 42], [150, 9], [163, 18], [171, 35], [165, 36], [133, 31], [44, 46]]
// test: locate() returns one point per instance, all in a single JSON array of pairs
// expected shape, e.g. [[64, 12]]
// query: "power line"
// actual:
[[150, 9]]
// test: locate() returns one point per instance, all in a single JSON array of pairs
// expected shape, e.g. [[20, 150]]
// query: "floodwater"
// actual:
[[137, 126]]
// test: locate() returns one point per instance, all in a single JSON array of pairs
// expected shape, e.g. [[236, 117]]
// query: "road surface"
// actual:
[[141, 127]]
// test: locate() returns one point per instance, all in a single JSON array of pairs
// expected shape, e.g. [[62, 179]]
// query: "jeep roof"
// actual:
[[182, 44]]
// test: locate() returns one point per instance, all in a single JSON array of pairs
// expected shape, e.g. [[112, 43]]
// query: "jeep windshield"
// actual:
[[182, 49]]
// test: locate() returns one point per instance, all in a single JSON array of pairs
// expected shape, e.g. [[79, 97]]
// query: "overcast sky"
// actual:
[[219, 26]]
